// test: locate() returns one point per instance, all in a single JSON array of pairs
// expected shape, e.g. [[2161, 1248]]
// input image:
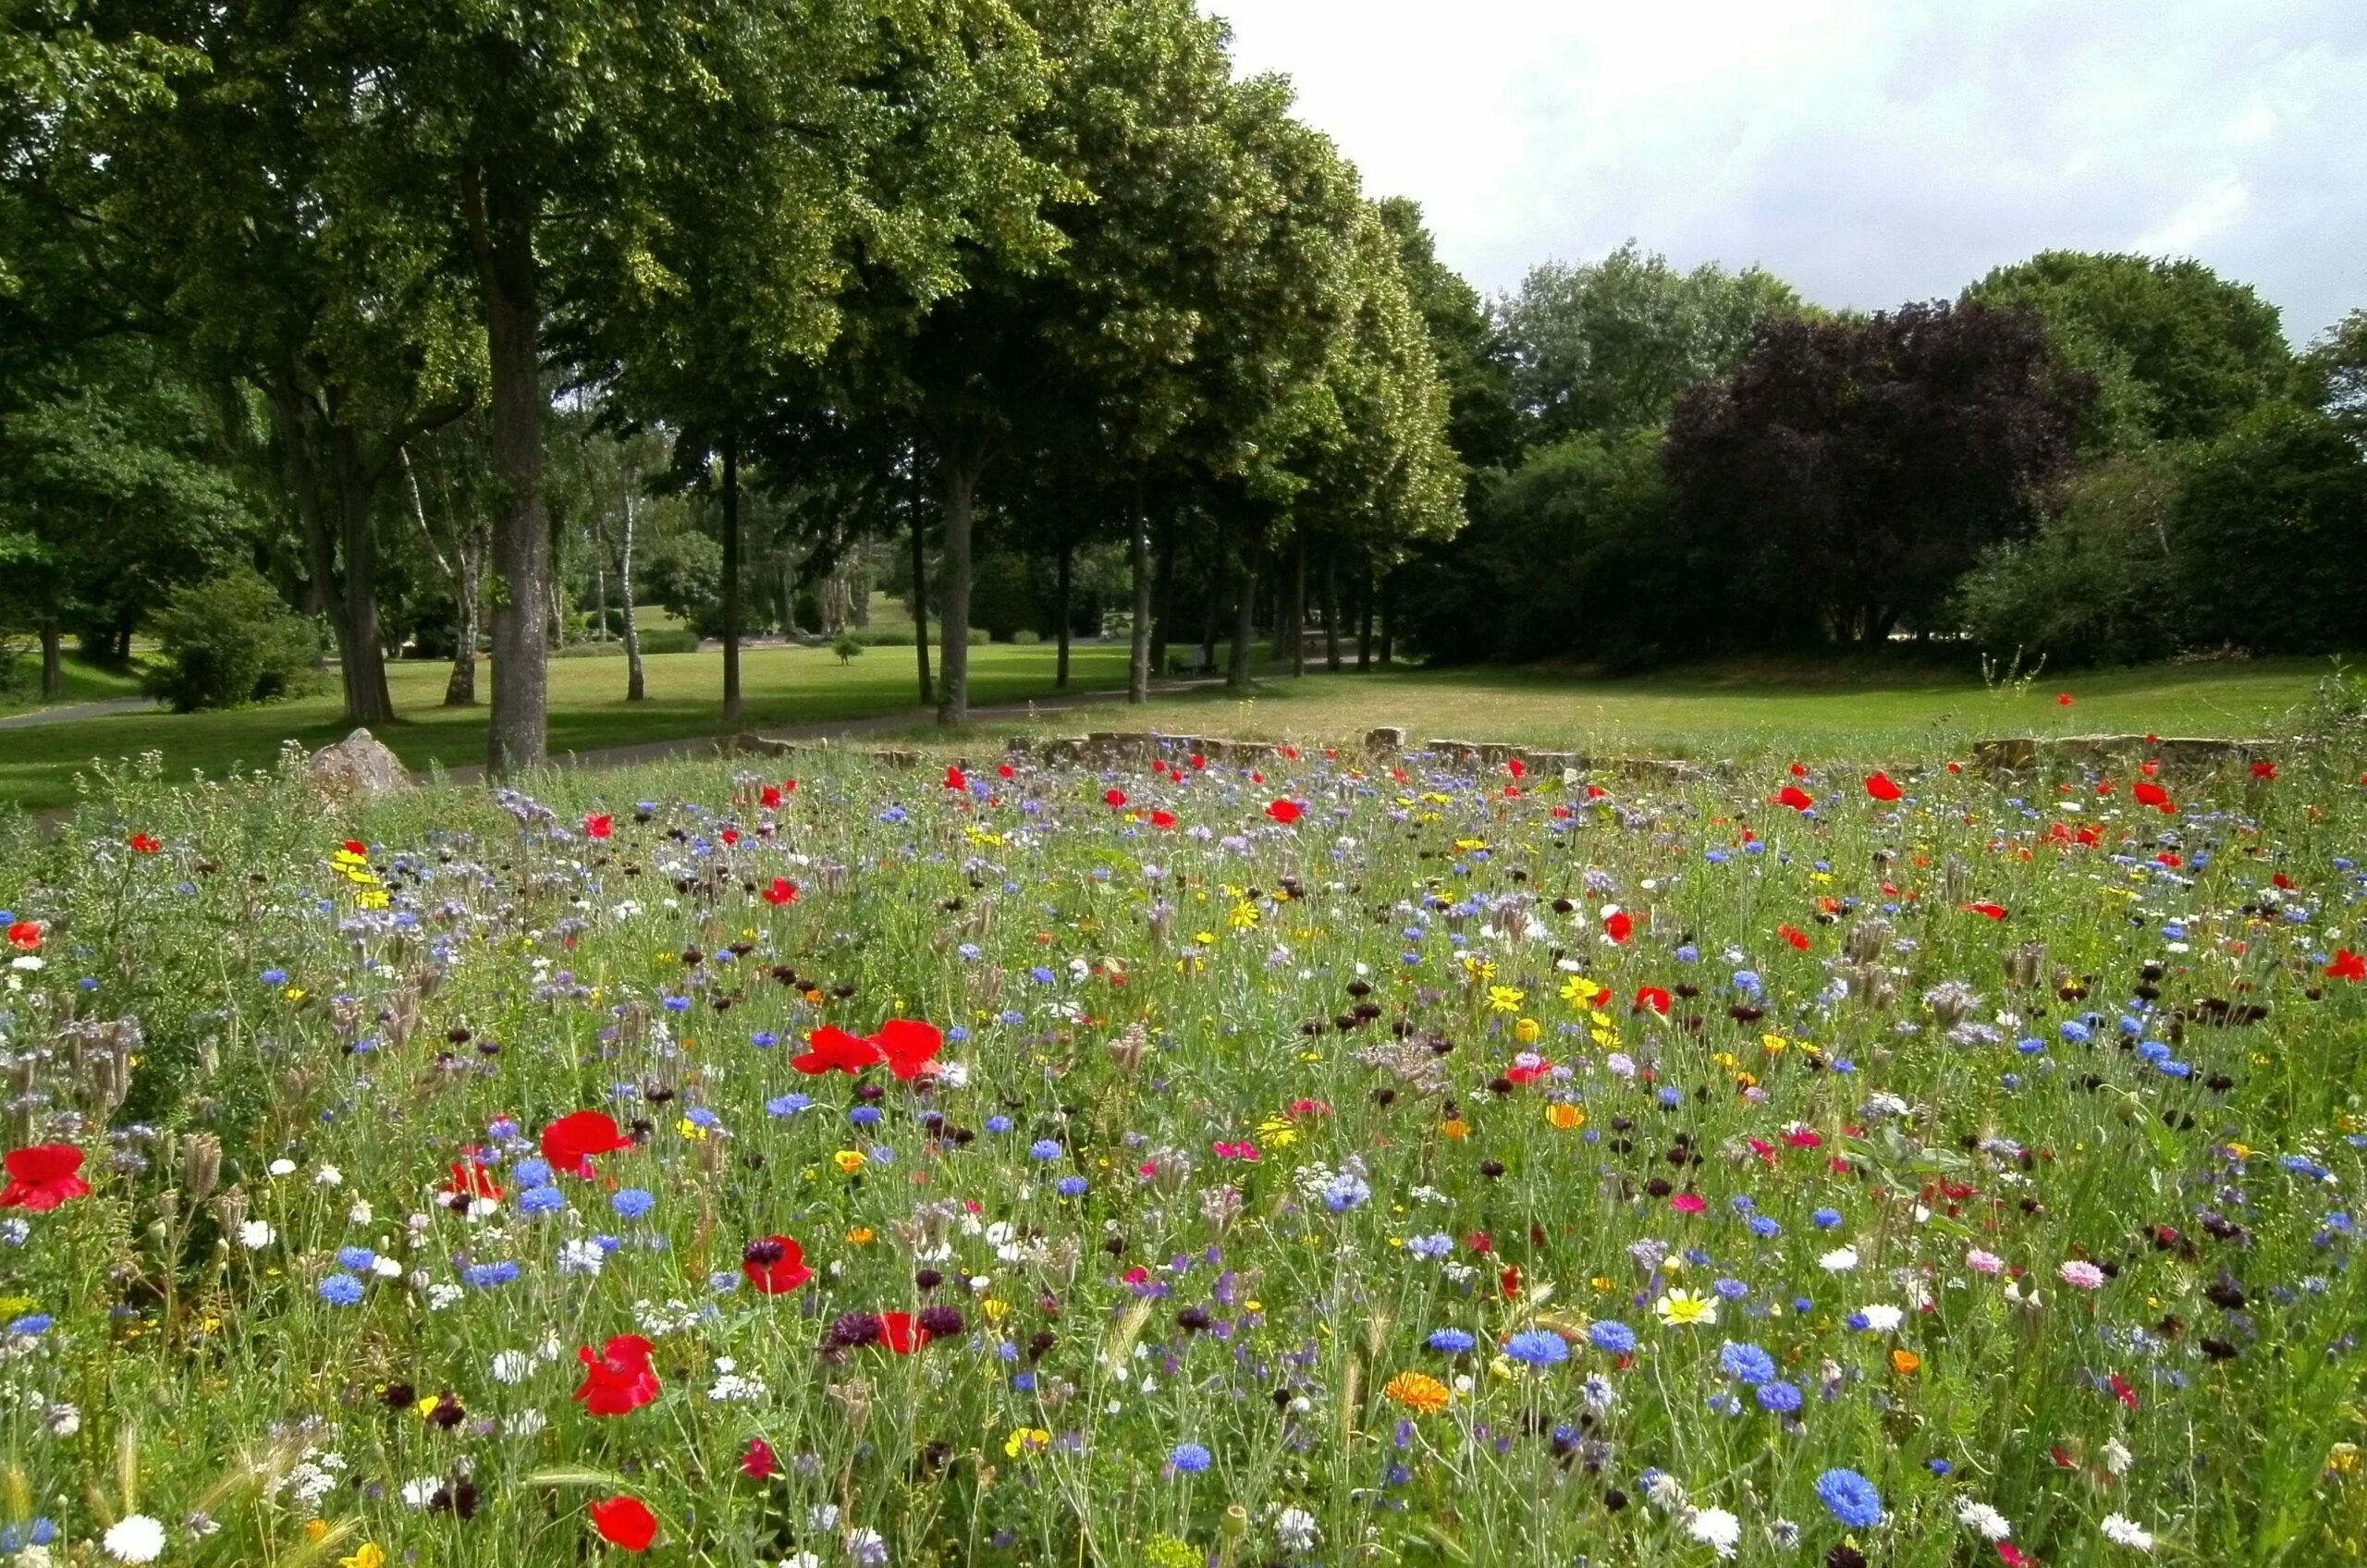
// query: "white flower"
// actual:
[[2117, 1457], [1715, 1528], [512, 1367], [1840, 1260], [361, 1213], [63, 1420], [283, 1167], [442, 1296], [329, 1176], [134, 1538], [1883, 1317], [822, 1517], [2128, 1532], [1985, 1521], [421, 1492], [256, 1234], [1294, 1529], [526, 1423], [800, 1559]]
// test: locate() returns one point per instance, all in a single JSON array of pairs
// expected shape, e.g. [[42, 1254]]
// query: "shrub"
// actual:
[[847, 647], [2095, 584], [229, 640], [2268, 534]]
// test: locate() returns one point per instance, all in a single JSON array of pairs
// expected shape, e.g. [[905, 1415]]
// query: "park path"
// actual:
[[830, 729], [68, 712]]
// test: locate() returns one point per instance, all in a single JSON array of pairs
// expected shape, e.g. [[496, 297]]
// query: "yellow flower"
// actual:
[[849, 1161], [1456, 1128], [315, 1528], [1579, 991], [1527, 1031], [688, 1128], [1773, 1044], [1416, 1391], [1681, 1308], [1278, 1132], [1505, 998], [1243, 916], [370, 1554], [996, 1309], [1564, 1115], [1026, 1439], [861, 1236]]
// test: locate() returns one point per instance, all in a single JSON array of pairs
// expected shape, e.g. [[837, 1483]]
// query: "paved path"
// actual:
[[66, 714]]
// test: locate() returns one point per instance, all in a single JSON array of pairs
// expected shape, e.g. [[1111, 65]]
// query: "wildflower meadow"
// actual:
[[1311, 1159]]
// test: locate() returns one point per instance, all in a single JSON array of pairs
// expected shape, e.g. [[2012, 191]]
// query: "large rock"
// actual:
[[356, 769]]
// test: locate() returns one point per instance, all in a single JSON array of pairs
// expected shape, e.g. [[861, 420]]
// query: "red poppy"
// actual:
[[1651, 996], [731, 835], [2263, 769], [25, 935], [770, 799], [900, 1334], [1799, 771], [1006, 771], [1199, 761], [1596, 791], [1618, 925], [1994, 911], [625, 1522], [955, 780], [1530, 1074], [832, 1048], [775, 1266], [572, 1141], [1796, 798], [41, 1177], [355, 847], [783, 891], [142, 844], [1113, 799], [617, 1378], [1289, 752], [2149, 793], [1516, 767], [1284, 812], [1794, 935], [2013, 1556], [472, 1180], [1162, 818], [2062, 699], [599, 825], [789, 786], [758, 1461], [2346, 965], [1880, 787], [908, 1046]]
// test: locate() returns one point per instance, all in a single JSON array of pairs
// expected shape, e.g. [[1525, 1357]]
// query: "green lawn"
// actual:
[[84, 684], [1878, 713], [1731, 709], [782, 686]]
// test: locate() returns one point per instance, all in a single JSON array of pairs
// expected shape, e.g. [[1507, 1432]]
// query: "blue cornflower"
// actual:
[[1346, 1190], [1454, 1341], [341, 1290], [1435, 1246], [30, 1324], [530, 1172], [1780, 1398], [633, 1202], [2073, 1032], [1826, 1218], [1044, 1148], [864, 1115], [1609, 1334], [1765, 1226], [1070, 1186], [485, 1275], [1851, 1498], [763, 1040], [1730, 1290], [275, 977], [1537, 1347], [1190, 1458], [1748, 1364], [788, 1105], [997, 1123], [358, 1260], [543, 1199]]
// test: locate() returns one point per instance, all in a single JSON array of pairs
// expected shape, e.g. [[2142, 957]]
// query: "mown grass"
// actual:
[[84, 682]]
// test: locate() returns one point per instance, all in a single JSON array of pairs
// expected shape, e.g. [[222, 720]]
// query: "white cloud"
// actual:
[[1870, 151]]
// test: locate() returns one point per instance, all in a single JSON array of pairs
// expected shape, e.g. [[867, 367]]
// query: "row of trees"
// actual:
[[2092, 457], [284, 281]]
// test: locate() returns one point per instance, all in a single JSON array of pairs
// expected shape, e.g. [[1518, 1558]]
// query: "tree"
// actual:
[[2178, 352], [1849, 471], [1612, 345], [2335, 374], [2267, 534], [1474, 356]]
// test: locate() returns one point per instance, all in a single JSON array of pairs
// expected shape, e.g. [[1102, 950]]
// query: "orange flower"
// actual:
[[1905, 1363], [1564, 1115], [1418, 1392]]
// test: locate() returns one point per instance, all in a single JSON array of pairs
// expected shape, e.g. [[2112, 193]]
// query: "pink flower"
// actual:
[[2081, 1273], [1982, 1262], [1688, 1203]]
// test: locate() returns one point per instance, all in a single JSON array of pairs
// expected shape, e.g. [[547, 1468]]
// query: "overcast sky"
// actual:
[[1868, 150]]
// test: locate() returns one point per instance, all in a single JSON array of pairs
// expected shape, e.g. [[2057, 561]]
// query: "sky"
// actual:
[[1869, 151]]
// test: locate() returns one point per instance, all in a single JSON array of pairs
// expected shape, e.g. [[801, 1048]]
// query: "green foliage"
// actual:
[[1002, 597], [2179, 353], [847, 647], [2334, 373], [2270, 534], [1611, 345], [226, 640], [2096, 583]]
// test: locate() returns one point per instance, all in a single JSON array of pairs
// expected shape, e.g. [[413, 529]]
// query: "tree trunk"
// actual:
[[1298, 609], [789, 592], [953, 659], [1061, 613], [1388, 628], [52, 666], [460, 691], [323, 599], [1332, 610], [1244, 623], [920, 583], [599, 599], [1364, 633], [636, 682], [501, 223], [1138, 550], [367, 700], [731, 582]]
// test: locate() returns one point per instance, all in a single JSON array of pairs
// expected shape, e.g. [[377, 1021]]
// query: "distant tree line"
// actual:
[[2092, 458]]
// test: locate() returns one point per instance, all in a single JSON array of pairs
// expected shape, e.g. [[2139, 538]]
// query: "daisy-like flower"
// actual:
[[2082, 1274], [135, 1538], [2123, 1531], [1680, 1309], [1715, 1528], [1416, 1391], [1983, 1519]]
